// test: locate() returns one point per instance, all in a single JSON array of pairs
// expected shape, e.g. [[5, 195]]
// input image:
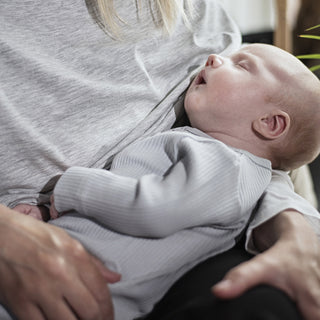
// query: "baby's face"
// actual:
[[234, 90]]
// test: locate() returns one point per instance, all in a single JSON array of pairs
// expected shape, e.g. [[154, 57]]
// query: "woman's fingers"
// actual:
[[93, 288], [110, 276], [29, 311], [261, 269], [43, 268], [292, 264]]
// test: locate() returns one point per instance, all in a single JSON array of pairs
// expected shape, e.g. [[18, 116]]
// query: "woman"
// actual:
[[97, 86]]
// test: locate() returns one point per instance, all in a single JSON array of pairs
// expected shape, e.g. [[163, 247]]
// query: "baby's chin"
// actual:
[[188, 102]]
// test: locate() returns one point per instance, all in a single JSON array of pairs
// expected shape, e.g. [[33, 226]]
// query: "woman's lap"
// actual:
[[191, 297]]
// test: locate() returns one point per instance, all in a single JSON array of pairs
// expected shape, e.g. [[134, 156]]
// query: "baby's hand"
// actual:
[[37, 212], [54, 214]]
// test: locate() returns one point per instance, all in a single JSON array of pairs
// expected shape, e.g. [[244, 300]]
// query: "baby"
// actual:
[[260, 99], [183, 195]]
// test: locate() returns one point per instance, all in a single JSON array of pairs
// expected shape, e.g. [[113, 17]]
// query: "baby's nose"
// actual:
[[214, 61]]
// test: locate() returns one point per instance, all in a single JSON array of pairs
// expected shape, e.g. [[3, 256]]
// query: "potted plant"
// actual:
[[311, 56]]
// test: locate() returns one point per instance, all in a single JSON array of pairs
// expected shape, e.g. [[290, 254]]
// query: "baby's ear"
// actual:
[[272, 125]]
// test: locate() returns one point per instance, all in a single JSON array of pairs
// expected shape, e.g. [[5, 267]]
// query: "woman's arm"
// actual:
[[290, 261], [291, 256], [35, 255]]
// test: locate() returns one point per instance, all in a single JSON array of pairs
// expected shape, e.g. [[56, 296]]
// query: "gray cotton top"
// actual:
[[70, 95], [167, 203]]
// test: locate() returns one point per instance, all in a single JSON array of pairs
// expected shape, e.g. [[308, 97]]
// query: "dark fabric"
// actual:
[[191, 298]]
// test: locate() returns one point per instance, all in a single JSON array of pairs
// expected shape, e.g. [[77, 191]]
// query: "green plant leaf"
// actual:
[[309, 36], [309, 56], [315, 27], [315, 68]]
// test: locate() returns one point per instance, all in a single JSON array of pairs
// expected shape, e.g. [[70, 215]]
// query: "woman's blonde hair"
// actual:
[[166, 12]]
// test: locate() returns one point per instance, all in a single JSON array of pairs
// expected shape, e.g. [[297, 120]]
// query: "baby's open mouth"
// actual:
[[200, 78]]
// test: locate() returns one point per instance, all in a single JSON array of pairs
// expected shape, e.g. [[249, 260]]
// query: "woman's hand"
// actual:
[[291, 263], [45, 274]]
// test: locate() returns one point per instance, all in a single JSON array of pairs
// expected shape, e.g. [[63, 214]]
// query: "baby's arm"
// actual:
[[152, 206], [54, 214], [199, 187]]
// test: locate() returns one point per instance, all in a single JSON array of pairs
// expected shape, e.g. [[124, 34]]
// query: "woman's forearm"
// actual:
[[284, 225]]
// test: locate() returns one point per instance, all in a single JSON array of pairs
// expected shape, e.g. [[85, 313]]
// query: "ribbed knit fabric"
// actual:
[[166, 183], [168, 202]]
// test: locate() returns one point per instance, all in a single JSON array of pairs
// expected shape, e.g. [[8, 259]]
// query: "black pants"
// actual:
[[191, 298]]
